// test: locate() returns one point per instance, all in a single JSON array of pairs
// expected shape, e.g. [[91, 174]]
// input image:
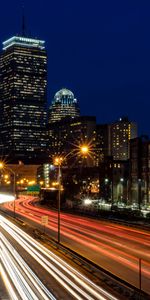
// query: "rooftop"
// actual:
[[23, 41]]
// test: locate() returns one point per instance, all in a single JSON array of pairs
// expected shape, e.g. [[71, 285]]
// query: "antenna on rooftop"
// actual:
[[23, 22]]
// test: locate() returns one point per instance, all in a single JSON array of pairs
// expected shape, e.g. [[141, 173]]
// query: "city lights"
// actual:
[[58, 161], [71, 153], [6, 198], [4, 167], [84, 149], [1, 165], [87, 201]]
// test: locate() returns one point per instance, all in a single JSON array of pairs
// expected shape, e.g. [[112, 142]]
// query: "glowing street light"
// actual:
[[41, 183], [106, 180], [83, 150], [1, 165], [87, 201], [58, 162]]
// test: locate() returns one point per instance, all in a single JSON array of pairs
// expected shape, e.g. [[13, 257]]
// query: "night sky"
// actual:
[[98, 49]]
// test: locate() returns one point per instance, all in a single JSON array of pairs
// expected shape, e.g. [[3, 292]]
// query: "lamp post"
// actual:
[[112, 185], [122, 190], [14, 190], [58, 162], [3, 166], [106, 189], [112, 190], [139, 193]]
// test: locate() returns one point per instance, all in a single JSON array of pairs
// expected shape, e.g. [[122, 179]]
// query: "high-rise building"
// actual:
[[121, 132], [63, 105], [103, 141], [23, 81], [66, 135], [140, 171]]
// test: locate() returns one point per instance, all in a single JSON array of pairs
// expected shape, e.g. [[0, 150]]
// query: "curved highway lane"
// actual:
[[21, 255], [116, 248]]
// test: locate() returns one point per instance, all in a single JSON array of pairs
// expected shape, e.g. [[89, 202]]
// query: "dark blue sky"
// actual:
[[98, 49]]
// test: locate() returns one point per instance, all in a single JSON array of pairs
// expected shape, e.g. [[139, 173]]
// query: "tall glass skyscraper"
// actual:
[[63, 105], [23, 81]]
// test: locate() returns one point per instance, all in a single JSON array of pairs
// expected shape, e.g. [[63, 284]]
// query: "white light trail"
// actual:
[[20, 274], [73, 281], [6, 198], [7, 283]]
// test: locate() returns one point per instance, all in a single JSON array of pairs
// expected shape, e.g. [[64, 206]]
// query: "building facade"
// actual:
[[23, 81], [121, 132], [140, 171], [102, 141], [63, 105], [66, 136]]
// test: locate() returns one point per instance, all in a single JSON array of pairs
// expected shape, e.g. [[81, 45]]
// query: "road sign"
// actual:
[[33, 188], [44, 220]]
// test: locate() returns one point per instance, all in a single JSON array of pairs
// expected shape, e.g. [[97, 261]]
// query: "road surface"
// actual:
[[114, 247], [31, 271]]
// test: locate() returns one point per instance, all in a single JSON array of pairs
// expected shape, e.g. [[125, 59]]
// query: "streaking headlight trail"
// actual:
[[76, 284], [16, 271], [6, 198]]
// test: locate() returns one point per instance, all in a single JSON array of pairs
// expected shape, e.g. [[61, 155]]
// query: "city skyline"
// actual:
[[99, 53], [74, 150]]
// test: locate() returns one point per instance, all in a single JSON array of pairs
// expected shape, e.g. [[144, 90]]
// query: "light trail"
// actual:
[[117, 248], [74, 282], [83, 222], [6, 197], [16, 273], [97, 241], [7, 283]]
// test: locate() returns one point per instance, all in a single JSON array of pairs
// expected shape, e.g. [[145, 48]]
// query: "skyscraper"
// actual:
[[23, 81], [121, 132], [63, 105]]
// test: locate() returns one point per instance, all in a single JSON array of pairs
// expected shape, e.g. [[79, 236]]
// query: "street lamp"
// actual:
[[107, 189], [58, 162], [14, 190], [139, 193], [3, 166], [83, 150], [122, 189]]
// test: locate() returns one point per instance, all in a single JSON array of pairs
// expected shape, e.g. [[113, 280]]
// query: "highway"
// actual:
[[114, 247], [31, 271]]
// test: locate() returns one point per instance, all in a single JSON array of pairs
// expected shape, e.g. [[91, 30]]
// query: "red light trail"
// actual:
[[117, 248]]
